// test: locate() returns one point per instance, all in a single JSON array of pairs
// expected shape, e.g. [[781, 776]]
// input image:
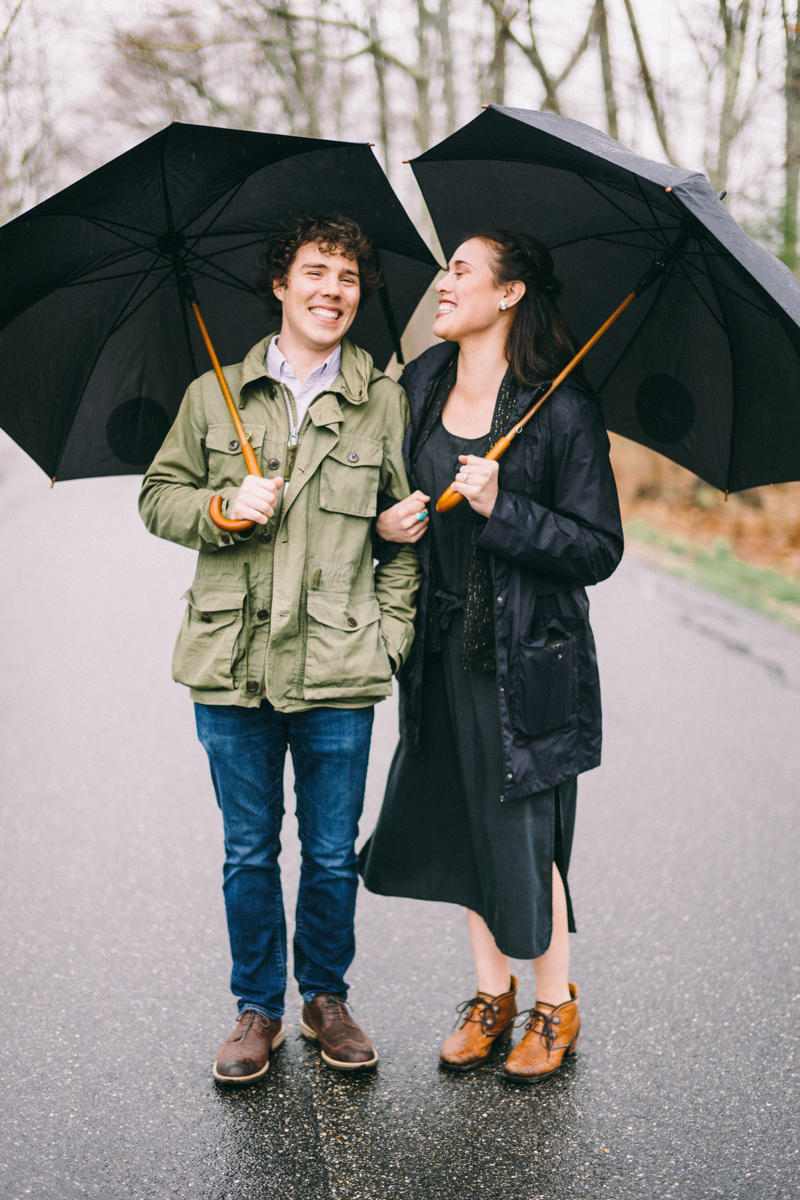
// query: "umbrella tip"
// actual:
[[406, 160], [370, 143], [52, 481], [486, 106], [668, 190], [727, 493]]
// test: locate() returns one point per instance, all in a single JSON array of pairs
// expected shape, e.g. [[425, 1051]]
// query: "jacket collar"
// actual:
[[419, 376], [352, 382]]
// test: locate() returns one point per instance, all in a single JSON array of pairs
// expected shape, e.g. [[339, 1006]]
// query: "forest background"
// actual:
[[713, 86]]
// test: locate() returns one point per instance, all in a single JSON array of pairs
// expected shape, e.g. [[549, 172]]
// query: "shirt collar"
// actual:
[[280, 368]]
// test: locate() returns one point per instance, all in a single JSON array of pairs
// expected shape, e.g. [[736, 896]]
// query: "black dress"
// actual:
[[469, 847]]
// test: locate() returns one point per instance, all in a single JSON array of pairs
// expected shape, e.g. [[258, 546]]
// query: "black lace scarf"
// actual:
[[478, 651]]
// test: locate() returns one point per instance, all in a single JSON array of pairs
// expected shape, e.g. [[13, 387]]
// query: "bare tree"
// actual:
[[379, 66], [493, 77], [29, 148], [649, 84], [734, 24], [506, 30], [609, 93], [791, 169], [446, 66]]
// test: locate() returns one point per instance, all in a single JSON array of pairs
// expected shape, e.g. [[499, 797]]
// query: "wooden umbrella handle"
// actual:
[[215, 505], [449, 499]]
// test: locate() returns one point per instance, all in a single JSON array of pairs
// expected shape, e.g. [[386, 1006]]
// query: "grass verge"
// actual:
[[718, 569]]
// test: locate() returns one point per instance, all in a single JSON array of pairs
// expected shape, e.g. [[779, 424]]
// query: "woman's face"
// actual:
[[469, 298]]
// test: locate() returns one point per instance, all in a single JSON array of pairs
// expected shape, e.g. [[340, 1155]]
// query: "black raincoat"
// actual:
[[555, 529]]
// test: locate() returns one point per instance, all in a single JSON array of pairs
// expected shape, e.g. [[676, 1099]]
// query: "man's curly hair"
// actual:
[[334, 234]]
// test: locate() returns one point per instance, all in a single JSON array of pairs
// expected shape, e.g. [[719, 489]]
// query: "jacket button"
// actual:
[[234, 445], [499, 599], [273, 464], [206, 617], [352, 457], [262, 614], [509, 776], [352, 622], [225, 539], [252, 686], [266, 537]]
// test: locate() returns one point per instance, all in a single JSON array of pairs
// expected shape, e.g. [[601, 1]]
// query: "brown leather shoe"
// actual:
[[550, 1035], [245, 1056], [488, 1021], [344, 1046]]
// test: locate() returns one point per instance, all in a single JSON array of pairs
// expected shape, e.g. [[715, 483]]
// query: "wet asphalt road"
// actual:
[[114, 992]]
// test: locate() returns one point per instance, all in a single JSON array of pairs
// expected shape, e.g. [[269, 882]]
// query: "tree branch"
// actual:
[[579, 50], [11, 21], [649, 85]]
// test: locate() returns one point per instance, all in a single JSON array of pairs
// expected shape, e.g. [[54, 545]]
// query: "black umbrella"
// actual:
[[97, 336], [705, 367]]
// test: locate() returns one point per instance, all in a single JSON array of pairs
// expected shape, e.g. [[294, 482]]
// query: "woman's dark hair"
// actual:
[[540, 343], [334, 234]]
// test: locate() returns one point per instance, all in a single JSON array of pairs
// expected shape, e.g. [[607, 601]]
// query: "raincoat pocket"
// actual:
[[226, 466], [349, 477], [345, 647], [545, 693], [206, 649]]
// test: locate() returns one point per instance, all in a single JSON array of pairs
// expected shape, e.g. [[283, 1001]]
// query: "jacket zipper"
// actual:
[[291, 447], [294, 432]]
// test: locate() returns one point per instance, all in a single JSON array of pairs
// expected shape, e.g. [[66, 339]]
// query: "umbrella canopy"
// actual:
[[97, 342], [705, 366]]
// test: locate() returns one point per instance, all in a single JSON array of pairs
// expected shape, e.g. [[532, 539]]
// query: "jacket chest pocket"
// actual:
[[205, 653], [545, 692], [349, 477], [226, 466]]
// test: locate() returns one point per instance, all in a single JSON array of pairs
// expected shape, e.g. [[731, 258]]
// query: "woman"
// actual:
[[500, 699]]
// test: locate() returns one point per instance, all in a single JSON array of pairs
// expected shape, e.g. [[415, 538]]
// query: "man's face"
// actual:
[[320, 297]]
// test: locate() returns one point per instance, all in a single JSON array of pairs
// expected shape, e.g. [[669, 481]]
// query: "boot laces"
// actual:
[[480, 1010], [544, 1023]]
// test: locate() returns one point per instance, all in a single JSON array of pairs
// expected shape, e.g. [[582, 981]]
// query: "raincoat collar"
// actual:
[[351, 383]]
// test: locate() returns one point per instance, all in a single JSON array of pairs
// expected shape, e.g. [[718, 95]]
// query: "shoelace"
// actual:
[[335, 1009], [543, 1023], [487, 1017], [251, 1022]]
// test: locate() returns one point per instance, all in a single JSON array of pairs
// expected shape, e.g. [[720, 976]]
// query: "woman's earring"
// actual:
[[502, 306]]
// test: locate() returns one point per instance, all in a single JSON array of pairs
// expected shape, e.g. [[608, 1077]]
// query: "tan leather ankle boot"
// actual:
[[488, 1020], [550, 1035]]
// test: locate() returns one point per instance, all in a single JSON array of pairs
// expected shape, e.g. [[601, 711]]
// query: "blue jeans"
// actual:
[[246, 749]]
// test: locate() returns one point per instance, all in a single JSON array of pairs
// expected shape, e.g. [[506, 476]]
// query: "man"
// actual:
[[291, 635]]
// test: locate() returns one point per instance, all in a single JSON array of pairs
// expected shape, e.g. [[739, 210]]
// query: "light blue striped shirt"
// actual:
[[319, 380]]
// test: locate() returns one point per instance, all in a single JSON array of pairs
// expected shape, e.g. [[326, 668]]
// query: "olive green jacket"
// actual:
[[294, 611]]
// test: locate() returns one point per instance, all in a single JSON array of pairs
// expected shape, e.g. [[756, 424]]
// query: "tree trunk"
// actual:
[[422, 119], [493, 84], [791, 23], [380, 80], [446, 66], [609, 95], [735, 28]]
